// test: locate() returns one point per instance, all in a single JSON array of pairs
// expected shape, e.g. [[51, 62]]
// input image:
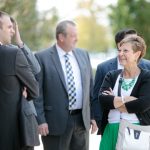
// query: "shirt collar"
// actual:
[[61, 52]]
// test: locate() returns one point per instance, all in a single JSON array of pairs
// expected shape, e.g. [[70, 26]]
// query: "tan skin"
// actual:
[[128, 58], [67, 43], [6, 31]]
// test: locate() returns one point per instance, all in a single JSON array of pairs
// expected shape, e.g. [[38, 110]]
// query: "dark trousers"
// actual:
[[27, 148], [74, 138]]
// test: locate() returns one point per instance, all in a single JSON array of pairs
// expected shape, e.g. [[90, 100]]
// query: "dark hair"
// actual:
[[62, 26], [122, 33], [12, 19]]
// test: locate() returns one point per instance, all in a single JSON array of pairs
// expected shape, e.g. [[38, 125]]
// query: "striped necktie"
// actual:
[[70, 82]]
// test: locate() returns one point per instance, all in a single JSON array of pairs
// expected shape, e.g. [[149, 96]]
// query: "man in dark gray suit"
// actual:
[[15, 74], [63, 114], [104, 68]]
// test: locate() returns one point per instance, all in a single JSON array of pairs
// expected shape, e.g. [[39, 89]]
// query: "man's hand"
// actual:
[[18, 39], [24, 93], [94, 127], [43, 129]]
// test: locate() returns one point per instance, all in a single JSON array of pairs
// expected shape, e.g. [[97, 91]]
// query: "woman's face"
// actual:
[[126, 55]]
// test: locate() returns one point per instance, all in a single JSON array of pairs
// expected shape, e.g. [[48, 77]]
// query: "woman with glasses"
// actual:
[[125, 93]]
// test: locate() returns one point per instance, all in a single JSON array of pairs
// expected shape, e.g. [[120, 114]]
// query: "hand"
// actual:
[[19, 42], [24, 93], [43, 129], [108, 92], [129, 98], [122, 108], [94, 127]]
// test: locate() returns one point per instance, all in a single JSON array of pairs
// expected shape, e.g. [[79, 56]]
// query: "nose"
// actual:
[[120, 53], [12, 31]]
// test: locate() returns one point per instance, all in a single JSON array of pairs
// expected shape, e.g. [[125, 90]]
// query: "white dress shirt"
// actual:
[[76, 74]]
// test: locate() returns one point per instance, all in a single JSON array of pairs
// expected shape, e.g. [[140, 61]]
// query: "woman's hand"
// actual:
[[129, 98], [122, 108], [108, 92]]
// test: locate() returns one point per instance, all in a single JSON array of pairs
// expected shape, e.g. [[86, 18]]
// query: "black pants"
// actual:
[[28, 148]]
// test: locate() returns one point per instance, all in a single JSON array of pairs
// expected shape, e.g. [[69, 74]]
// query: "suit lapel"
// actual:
[[58, 66]]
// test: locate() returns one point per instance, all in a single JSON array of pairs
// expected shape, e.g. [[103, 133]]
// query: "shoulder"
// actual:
[[113, 73], [81, 51], [144, 63], [11, 48], [145, 73], [107, 63], [44, 52], [10, 51]]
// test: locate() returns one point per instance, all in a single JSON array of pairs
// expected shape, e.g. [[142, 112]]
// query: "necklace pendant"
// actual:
[[128, 85]]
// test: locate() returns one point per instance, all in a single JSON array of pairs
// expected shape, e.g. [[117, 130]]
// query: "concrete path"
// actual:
[[94, 143]]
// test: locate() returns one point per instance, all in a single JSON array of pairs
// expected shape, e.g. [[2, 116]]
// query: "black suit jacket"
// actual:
[[140, 91], [15, 73], [101, 71]]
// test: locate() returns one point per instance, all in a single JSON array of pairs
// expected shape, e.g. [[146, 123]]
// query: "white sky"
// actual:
[[67, 8]]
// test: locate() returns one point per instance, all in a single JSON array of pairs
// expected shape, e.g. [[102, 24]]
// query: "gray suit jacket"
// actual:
[[52, 105], [35, 67]]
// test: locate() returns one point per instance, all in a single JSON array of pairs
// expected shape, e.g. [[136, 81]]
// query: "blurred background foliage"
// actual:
[[38, 28], [132, 14]]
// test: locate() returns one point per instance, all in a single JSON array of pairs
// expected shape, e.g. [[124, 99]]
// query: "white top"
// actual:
[[115, 115], [76, 74]]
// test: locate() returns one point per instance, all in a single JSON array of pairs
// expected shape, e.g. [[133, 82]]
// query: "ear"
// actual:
[[61, 37], [138, 54]]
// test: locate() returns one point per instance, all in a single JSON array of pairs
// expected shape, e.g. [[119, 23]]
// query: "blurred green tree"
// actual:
[[132, 14], [36, 28], [92, 34]]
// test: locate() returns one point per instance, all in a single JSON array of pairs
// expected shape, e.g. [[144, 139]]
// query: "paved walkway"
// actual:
[[94, 143]]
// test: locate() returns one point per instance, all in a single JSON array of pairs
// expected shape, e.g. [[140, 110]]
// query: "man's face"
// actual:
[[70, 39], [6, 30]]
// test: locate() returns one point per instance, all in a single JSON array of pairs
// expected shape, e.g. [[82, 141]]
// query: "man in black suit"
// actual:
[[63, 107], [107, 66], [15, 74]]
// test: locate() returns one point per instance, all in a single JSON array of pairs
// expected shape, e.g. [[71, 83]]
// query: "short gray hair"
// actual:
[[62, 26]]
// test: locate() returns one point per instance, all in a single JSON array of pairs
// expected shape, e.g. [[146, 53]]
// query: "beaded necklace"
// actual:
[[127, 85]]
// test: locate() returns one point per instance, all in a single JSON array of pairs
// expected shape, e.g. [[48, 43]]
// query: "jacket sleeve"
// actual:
[[106, 101], [142, 103], [25, 75], [31, 59], [39, 102]]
